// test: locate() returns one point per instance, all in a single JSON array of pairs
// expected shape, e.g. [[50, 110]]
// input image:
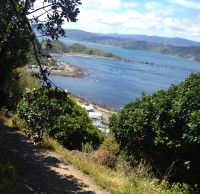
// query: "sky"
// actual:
[[167, 18]]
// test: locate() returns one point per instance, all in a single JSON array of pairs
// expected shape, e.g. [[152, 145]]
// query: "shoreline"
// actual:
[[80, 55], [73, 71], [77, 72], [70, 71], [87, 55], [103, 109], [98, 106]]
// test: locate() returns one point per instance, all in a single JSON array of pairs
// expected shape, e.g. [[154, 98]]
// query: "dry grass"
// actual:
[[116, 181]]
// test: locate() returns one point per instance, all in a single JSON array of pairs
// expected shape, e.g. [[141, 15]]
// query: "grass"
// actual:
[[137, 181]]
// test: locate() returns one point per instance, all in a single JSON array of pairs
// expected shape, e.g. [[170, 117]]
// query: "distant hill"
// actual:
[[164, 40], [83, 35], [170, 46]]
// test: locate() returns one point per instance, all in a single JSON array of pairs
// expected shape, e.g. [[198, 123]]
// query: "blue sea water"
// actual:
[[115, 83]]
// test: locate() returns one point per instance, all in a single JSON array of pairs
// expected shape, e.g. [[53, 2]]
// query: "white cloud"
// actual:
[[187, 3], [153, 5], [130, 14], [130, 5], [159, 22], [149, 6], [37, 4], [100, 4], [123, 17]]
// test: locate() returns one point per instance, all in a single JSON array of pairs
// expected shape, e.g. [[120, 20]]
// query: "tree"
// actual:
[[50, 110], [13, 42], [164, 130], [18, 19]]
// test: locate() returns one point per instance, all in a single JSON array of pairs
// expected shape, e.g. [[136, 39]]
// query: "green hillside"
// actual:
[[189, 52], [60, 47]]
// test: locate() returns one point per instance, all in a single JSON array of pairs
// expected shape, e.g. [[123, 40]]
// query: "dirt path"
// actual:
[[42, 171]]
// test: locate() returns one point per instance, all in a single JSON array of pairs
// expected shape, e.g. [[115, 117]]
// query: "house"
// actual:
[[95, 115], [102, 127], [89, 108]]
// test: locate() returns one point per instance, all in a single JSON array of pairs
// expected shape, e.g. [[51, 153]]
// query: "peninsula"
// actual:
[[59, 48]]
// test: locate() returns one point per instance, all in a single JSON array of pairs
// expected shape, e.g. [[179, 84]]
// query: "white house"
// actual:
[[89, 108], [95, 115]]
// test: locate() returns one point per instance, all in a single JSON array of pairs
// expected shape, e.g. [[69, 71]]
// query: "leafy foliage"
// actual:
[[163, 129], [110, 144], [15, 86], [17, 21], [52, 111], [14, 43]]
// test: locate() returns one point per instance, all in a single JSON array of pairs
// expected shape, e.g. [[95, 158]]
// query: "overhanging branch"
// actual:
[[39, 9]]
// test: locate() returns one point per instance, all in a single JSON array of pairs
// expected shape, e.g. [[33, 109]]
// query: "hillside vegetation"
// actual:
[[189, 52], [163, 129], [60, 47]]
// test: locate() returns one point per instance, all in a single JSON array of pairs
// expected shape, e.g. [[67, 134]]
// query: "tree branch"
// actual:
[[25, 7], [39, 9], [40, 15]]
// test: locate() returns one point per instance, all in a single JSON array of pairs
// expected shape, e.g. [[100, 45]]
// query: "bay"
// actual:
[[115, 83]]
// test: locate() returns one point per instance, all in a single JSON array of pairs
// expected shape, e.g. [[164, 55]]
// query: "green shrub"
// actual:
[[18, 80], [164, 130], [4, 112], [52, 111], [110, 144], [87, 148]]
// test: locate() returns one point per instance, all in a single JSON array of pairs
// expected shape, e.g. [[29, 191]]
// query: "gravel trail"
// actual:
[[42, 172]]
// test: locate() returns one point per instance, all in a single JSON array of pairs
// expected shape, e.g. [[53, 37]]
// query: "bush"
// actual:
[[107, 153], [104, 157], [18, 80], [164, 130], [110, 144], [52, 111], [4, 112]]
